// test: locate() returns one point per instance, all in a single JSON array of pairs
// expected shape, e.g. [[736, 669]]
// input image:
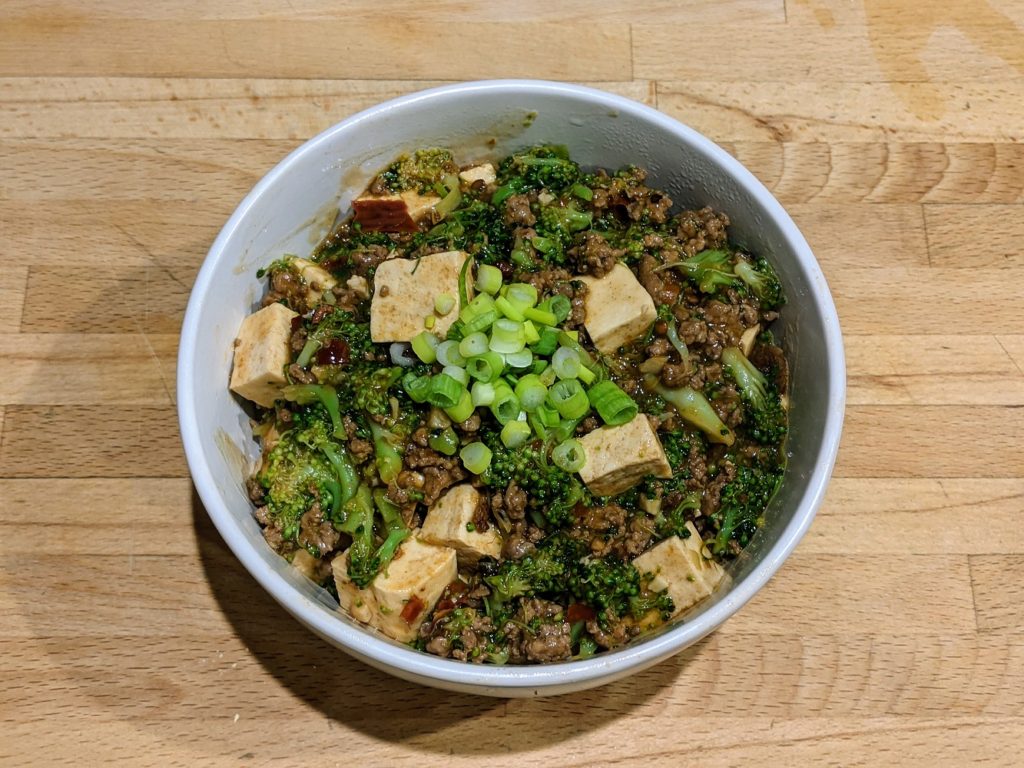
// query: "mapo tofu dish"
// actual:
[[515, 411]]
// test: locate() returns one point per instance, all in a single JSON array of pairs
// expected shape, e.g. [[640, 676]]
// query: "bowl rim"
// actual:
[[582, 673]]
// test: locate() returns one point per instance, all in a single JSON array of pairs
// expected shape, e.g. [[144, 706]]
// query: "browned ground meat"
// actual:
[[713, 490], [627, 195], [367, 258], [314, 531], [594, 256], [723, 327], [675, 375], [611, 531], [286, 286], [550, 641], [300, 374], [769, 358], [614, 633], [518, 213], [701, 230], [663, 286]]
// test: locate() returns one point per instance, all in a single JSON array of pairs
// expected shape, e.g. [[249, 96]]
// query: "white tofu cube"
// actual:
[[305, 563], [400, 597], [393, 212], [618, 309], [680, 567], [261, 354], [358, 285], [317, 279], [617, 458], [447, 524], [404, 293], [483, 172]]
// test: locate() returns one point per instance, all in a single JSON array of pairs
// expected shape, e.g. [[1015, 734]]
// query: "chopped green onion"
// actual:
[[481, 304], [548, 342], [450, 201], [482, 393], [507, 336], [445, 441], [486, 367], [424, 344], [521, 254], [566, 362], [612, 404], [522, 295], [463, 409], [447, 353], [540, 316], [521, 359], [429, 322], [532, 335], [472, 345], [457, 373], [530, 391], [561, 307], [548, 376], [569, 399], [463, 291], [569, 455], [476, 457], [515, 433], [501, 193], [582, 191], [488, 279], [508, 309], [586, 375], [548, 416], [444, 304], [417, 387], [445, 391], [481, 322], [506, 405]]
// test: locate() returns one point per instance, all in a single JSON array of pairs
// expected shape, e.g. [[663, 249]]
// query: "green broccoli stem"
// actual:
[[752, 383], [305, 394], [388, 459], [675, 341], [694, 409], [729, 522], [348, 478]]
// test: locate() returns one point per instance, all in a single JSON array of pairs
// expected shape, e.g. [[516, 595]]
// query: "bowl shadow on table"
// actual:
[[352, 694]]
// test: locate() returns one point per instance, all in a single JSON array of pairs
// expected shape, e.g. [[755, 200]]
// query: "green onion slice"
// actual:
[[612, 404], [488, 279], [567, 363], [445, 392], [473, 344], [515, 434], [486, 367], [482, 393], [463, 409], [568, 398], [424, 344], [569, 455], [530, 391], [507, 336], [476, 457], [448, 353]]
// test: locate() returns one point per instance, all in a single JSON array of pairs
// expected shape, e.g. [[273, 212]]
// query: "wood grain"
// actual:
[[892, 131]]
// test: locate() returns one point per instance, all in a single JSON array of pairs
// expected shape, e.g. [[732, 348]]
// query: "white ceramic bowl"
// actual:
[[286, 213]]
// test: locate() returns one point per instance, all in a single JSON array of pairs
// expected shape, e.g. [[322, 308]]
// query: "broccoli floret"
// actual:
[[641, 605], [476, 228], [306, 466], [387, 456], [370, 387], [605, 584], [325, 394], [708, 270], [339, 324], [542, 167], [537, 573], [556, 225], [671, 521], [553, 493], [366, 558], [761, 280], [695, 410], [764, 416], [421, 170], [742, 504]]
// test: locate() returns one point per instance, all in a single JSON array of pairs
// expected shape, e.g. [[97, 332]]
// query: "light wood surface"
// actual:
[[893, 130]]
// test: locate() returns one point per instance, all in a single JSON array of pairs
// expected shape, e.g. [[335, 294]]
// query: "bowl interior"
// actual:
[[295, 204]]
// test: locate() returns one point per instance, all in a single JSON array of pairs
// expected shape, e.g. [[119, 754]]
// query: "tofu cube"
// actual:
[[305, 563], [261, 354], [404, 293], [317, 279], [618, 309], [400, 597], [483, 172], [358, 285], [617, 458], [447, 524], [680, 567], [399, 212]]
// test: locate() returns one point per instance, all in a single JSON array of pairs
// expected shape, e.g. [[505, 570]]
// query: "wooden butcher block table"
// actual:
[[891, 131]]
